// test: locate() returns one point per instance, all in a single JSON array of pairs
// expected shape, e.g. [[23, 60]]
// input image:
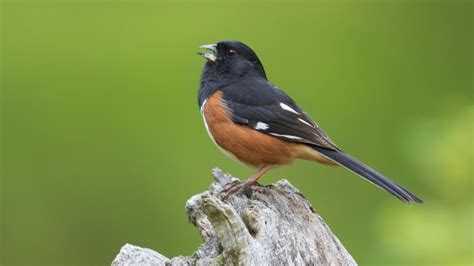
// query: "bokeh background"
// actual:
[[103, 143]]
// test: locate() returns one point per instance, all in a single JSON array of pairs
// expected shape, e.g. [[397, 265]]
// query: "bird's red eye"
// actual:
[[231, 53]]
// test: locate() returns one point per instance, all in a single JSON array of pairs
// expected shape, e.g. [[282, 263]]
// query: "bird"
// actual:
[[259, 125]]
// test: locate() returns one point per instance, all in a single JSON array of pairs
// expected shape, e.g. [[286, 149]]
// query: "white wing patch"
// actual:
[[285, 136], [287, 108], [261, 126], [305, 122]]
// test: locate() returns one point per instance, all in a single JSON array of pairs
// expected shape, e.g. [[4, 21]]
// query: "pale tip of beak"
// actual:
[[211, 47], [208, 56]]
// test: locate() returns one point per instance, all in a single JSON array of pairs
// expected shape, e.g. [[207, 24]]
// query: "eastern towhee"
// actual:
[[258, 124]]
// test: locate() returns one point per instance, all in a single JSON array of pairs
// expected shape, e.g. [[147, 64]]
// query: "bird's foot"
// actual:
[[237, 188]]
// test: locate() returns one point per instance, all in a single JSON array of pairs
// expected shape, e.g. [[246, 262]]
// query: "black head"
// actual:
[[232, 59]]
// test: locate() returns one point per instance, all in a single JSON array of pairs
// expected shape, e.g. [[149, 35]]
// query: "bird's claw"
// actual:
[[236, 189]]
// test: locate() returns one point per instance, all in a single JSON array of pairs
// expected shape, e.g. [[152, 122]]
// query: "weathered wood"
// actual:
[[266, 225]]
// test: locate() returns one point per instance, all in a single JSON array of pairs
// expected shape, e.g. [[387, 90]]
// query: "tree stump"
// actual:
[[265, 225]]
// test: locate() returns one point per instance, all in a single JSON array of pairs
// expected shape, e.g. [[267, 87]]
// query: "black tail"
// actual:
[[370, 174]]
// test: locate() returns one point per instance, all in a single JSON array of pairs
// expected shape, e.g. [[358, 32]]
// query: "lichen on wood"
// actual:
[[266, 225]]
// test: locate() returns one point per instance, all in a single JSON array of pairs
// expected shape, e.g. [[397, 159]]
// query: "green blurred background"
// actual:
[[103, 143]]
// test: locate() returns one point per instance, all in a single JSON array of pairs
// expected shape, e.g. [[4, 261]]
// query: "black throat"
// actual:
[[216, 75]]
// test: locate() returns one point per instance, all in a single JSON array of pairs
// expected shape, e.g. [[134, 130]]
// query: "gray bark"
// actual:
[[266, 225]]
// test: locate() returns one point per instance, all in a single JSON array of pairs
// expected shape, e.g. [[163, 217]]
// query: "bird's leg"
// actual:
[[239, 188], [260, 172]]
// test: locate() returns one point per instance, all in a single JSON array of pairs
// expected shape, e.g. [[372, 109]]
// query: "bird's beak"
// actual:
[[209, 56]]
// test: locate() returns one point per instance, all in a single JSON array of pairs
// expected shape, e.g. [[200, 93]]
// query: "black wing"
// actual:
[[269, 110], [263, 107]]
